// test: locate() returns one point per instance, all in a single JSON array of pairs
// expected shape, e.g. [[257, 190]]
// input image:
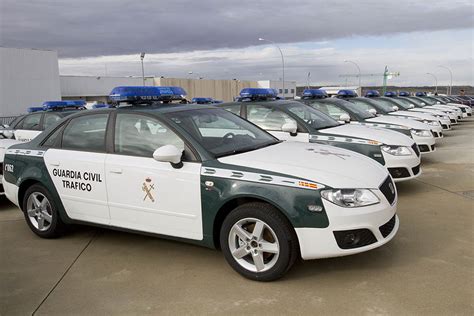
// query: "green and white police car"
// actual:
[[294, 121], [203, 175]]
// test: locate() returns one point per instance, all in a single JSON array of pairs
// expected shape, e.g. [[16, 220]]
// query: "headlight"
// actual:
[[432, 123], [396, 150], [350, 197], [421, 133]]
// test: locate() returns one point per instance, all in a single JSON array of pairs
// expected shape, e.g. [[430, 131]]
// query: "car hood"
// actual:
[[328, 165], [429, 111], [372, 133], [399, 121]]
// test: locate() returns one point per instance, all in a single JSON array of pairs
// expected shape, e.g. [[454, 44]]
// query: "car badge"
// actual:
[[148, 187]]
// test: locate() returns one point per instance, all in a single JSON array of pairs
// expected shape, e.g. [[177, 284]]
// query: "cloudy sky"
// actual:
[[219, 38]]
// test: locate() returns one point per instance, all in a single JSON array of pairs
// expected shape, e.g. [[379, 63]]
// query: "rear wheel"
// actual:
[[41, 212], [258, 242]]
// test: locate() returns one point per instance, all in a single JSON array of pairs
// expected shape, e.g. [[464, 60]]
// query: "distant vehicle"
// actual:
[[422, 106], [463, 110]]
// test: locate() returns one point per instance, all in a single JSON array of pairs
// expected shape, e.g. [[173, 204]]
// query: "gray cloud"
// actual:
[[114, 27]]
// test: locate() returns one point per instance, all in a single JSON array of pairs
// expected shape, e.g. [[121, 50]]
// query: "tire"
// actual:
[[262, 255], [41, 212]]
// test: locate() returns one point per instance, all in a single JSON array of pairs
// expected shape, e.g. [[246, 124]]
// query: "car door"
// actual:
[[149, 195], [77, 168], [29, 128], [272, 120]]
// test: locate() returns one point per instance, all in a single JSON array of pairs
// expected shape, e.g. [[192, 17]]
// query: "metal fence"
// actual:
[[6, 119]]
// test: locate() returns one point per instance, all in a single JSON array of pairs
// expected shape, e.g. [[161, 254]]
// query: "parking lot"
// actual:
[[427, 268]]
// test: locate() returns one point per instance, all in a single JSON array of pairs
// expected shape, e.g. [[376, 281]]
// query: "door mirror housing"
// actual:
[[412, 106], [290, 127], [8, 134], [395, 108], [169, 153], [345, 118], [373, 111]]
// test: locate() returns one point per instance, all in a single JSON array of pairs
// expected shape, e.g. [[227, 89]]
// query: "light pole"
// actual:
[[451, 76], [142, 56], [436, 81], [282, 62], [358, 68]]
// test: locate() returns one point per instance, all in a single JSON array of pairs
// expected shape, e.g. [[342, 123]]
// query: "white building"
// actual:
[[28, 77], [290, 87]]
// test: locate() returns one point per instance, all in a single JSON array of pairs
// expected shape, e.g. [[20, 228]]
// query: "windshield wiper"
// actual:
[[243, 150]]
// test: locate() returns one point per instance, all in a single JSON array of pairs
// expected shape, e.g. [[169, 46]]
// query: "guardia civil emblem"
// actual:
[[148, 188]]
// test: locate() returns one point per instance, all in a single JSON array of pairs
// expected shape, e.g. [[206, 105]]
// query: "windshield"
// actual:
[[380, 106], [361, 113], [432, 101], [414, 100], [220, 132], [316, 119]]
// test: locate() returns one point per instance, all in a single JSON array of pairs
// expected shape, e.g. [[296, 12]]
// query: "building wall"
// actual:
[[28, 77], [224, 90], [290, 87]]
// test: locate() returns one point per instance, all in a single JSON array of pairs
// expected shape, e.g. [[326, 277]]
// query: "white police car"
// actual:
[[26, 127], [441, 99], [294, 121], [206, 176], [350, 108], [436, 104]]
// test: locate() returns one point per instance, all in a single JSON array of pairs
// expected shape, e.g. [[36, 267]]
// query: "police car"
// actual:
[[26, 127], [429, 104], [295, 121], [201, 174], [402, 108], [462, 110], [347, 107], [420, 106]]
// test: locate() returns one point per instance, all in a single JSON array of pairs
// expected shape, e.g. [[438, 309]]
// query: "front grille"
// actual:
[[416, 150], [444, 126], [424, 148], [350, 239], [435, 134], [416, 170], [469, 114], [452, 120], [388, 190], [387, 228], [463, 110]]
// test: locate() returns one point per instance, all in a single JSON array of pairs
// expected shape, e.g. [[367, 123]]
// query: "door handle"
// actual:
[[116, 170], [54, 163]]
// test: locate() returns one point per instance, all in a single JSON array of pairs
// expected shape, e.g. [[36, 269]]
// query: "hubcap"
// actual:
[[254, 245], [39, 211]]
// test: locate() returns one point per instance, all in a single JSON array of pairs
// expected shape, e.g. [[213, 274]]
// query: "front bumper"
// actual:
[[425, 144], [10, 191], [403, 168], [2, 191], [326, 242]]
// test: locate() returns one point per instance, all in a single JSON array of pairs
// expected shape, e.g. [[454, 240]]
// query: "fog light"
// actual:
[[315, 208]]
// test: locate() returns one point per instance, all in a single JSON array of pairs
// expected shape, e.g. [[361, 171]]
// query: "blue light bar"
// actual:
[[372, 94], [258, 93], [420, 94], [347, 94], [61, 105], [146, 94], [35, 109], [314, 94], [404, 93], [101, 106], [202, 100], [391, 94]]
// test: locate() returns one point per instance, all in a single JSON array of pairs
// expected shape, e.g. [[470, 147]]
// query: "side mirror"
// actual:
[[412, 106], [8, 134], [438, 102], [289, 127], [395, 108], [345, 118], [169, 153], [373, 111]]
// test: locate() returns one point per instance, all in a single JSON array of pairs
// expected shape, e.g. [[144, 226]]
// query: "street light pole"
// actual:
[[142, 56], [358, 68], [282, 62], [436, 81], [451, 76]]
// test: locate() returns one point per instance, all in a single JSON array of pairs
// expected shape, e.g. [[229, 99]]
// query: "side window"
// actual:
[[53, 139], [363, 105], [50, 119], [140, 135], [232, 108], [267, 118], [31, 122], [334, 111], [86, 133]]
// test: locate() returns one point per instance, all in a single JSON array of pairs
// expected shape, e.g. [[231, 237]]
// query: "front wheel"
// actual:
[[258, 242], [41, 213]]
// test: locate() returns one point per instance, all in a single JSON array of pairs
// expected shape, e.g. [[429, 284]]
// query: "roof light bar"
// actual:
[[143, 94]]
